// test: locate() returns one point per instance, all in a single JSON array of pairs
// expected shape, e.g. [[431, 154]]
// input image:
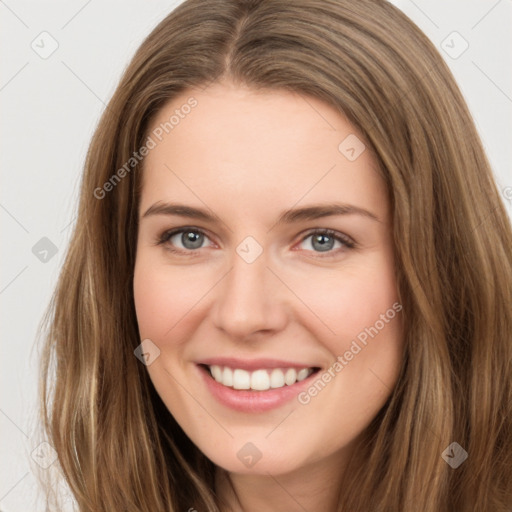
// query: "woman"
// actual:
[[226, 355]]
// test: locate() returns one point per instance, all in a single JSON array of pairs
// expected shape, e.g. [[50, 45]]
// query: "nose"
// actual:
[[250, 300]]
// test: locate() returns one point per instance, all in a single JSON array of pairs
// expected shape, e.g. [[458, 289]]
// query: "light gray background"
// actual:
[[50, 107]]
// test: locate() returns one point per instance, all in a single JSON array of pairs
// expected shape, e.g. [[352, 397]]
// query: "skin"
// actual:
[[246, 156]]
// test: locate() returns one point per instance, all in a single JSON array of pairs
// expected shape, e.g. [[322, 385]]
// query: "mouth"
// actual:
[[260, 379], [254, 385]]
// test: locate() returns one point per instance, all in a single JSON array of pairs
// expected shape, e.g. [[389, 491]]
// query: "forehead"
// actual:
[[244, 150]]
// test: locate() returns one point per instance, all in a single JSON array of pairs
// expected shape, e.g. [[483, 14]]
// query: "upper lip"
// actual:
[[254, 364]]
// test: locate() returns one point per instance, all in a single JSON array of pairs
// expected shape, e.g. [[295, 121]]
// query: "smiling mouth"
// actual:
[[258, 380]]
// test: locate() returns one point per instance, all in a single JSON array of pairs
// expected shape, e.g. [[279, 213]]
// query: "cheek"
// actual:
[[349, 302], [151, 303], [362, 309], [164, 296], [359, 321]]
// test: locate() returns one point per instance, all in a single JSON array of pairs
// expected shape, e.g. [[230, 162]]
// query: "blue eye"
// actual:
[[191, 239]]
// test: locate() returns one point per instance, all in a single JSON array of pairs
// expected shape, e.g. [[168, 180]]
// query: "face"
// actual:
[[264, 278]]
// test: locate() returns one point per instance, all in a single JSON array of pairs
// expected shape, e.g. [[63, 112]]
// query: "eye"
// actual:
[[190, 239], [324, 240]]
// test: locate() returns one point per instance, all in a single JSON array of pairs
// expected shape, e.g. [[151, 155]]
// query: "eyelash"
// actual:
[[347, 242]]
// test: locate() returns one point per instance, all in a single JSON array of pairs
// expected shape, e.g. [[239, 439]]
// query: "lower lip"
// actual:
[[253, 401]]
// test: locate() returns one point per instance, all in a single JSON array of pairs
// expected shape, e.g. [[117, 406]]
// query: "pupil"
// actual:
[[192, 240], [321, 239]]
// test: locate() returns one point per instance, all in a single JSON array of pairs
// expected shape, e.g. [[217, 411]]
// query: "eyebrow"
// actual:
[[312, 212]]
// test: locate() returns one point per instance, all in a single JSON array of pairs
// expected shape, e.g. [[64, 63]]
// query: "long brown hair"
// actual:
[[118, 446]]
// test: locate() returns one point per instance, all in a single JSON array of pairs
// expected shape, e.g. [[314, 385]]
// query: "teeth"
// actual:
[[216, 373], [258, 380], [241, 379], [227, 377], [302, 374], [277, 378]]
